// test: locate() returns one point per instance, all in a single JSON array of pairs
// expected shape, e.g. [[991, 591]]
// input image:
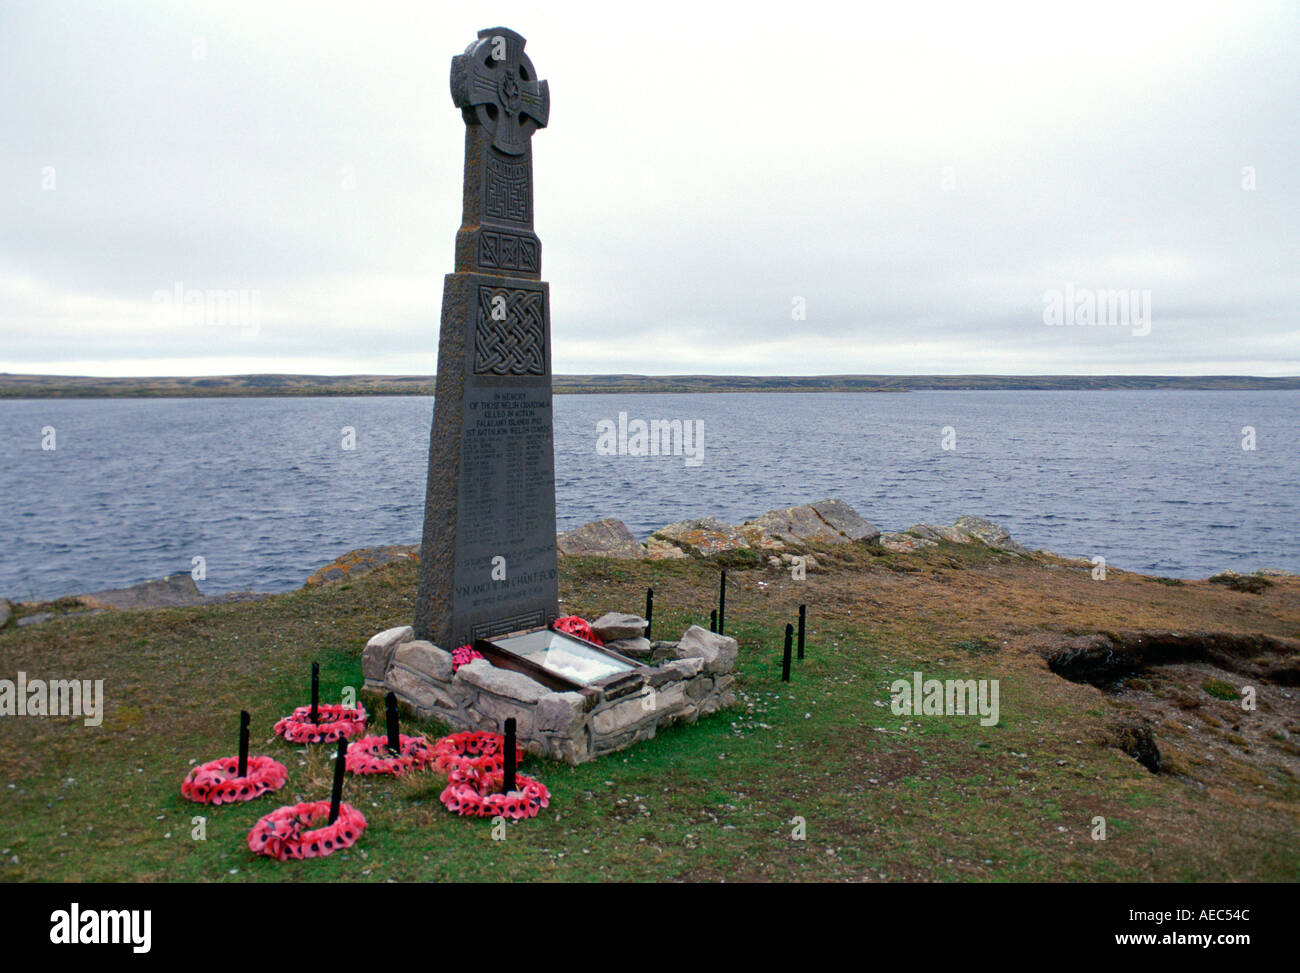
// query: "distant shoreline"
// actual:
[[14, 386]]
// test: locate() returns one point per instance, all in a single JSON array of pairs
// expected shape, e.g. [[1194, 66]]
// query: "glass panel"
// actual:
[[562, 654]]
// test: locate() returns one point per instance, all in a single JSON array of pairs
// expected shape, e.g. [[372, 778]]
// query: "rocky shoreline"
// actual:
[[780, 539]]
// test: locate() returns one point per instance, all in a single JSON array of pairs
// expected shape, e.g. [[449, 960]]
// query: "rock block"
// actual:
[[703, 536], [994, 535], [600, 538], [632, 648], [937, 532], [623, 715], [904, 543], [560, 712], [717, 651], [482, 675], [839, 516], [417, 690], [614, 626], [660, 550], [426, 658], [378, 653]]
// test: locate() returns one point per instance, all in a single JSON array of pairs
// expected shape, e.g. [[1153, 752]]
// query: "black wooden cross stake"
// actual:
[[649, 609], [509, 783], [390, 710], [394, 733], [713, 620], [315, 691], [243, 743], [785, 658], [340, 764], [722, 603], [803, 619]]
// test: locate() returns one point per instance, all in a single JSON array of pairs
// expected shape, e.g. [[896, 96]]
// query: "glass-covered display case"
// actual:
[[557, 659], [564, 654]]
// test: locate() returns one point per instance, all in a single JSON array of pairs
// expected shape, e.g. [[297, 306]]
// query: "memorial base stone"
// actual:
[[693, 677]]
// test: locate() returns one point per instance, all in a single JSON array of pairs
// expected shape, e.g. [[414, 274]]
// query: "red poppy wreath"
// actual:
[[370, 755], [473, 750], [472, 793], [333, 722], [299, 831], [577, 627], [218, 781], [464, 656]]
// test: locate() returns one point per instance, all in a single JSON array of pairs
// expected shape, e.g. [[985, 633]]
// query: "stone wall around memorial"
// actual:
[[680, 682]]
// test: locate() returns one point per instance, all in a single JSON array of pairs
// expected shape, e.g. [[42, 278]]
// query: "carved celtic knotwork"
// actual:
[[510, 335], [507, 251], [494, 84], [508, 190]]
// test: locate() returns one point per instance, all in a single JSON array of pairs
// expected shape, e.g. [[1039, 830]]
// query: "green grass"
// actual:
[[1220, 689], [882, 796]]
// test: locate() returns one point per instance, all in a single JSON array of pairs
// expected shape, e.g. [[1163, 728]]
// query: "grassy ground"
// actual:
[[883, 797]]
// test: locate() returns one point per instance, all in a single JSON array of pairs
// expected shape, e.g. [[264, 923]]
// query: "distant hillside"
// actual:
[[84, 387]]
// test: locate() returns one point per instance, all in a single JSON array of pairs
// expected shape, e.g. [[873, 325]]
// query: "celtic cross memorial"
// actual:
[[488, 558]]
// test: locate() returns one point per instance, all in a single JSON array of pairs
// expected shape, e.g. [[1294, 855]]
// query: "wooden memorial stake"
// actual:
[[340, 764], [649, 609], [803, 620], [315, 691], [785, 658], [243, 743], [722, 603], [509, 783], [394, 732]]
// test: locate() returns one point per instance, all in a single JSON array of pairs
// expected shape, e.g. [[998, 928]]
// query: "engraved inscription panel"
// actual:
[[510, 335], [506, 508]]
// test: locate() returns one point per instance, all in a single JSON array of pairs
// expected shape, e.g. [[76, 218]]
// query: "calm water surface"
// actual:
[[263, 490]]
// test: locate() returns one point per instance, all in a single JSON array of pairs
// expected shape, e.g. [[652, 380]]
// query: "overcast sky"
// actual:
[[923, 177]]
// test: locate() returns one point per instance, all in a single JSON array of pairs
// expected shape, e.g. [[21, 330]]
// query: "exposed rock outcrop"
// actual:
[[810, 525], [703, 536], [602, 538], [994, 535], [1253, 584], [172, 591], [661, 550], [937, 532], [362, 560], [904, 543]]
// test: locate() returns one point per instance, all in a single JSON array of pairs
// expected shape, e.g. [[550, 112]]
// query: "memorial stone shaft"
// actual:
[[488, 557]]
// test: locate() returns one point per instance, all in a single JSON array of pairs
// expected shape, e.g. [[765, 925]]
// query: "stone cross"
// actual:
[[488, 558]]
